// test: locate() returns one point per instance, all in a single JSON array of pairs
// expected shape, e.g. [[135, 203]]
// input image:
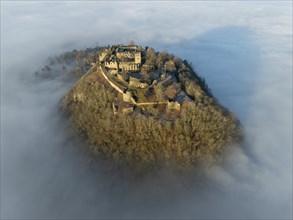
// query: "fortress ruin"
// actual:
[[121, 67], [122, 58]]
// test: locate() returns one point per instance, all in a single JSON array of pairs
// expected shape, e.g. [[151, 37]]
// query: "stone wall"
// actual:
[[137, 57], [129, 66], [111, 64], [102, 55], [103, 71], [115, 108], [127, 110], [127, 97], [173, 106], [125, 55]]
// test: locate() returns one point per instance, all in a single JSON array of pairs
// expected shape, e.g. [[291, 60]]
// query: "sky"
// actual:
[[243, 49]]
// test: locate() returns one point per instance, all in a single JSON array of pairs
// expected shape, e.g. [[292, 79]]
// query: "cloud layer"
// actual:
[[242, 49]]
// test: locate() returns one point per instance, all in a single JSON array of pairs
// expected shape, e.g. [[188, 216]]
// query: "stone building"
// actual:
[[111, 64], [122, 58], [128, 66]]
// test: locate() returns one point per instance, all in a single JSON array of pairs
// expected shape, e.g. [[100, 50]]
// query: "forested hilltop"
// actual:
[[182, 124]]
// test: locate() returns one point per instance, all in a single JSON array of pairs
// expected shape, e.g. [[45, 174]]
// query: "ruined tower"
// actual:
[[137, 57]]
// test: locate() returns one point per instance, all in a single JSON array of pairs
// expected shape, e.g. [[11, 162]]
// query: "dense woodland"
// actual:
[[202, 129]]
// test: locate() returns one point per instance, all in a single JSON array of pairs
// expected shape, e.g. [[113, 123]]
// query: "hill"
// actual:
[[145, 108]]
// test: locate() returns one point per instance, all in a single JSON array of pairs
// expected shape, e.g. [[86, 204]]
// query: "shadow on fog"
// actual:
[[228, 58]]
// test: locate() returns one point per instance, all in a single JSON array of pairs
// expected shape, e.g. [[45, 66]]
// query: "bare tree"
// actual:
[[131, 43]]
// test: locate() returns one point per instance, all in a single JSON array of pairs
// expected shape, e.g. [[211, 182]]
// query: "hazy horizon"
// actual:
[[242, 49]]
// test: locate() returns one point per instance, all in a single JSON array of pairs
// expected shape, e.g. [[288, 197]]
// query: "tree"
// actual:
[[131, 43], [162, 58], [177, 61], [91, 57], [151, 57], [170, 66], [171, 92], [159, 92]]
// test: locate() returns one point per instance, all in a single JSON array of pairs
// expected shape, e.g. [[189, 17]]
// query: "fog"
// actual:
[[242, 49]]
